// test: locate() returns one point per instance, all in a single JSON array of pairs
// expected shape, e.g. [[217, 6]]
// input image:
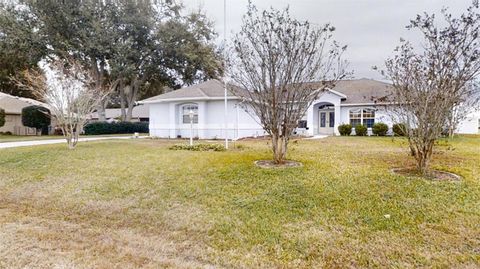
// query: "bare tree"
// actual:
[[70, 92], [468, 104], [429, 85], [275, 58]]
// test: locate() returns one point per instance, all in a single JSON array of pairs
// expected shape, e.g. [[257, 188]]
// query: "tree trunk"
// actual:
[[423, 157], [122, 102], [98, 72], [76, 134], [422, 163], [132, 97], [451, 128], [279, 148], [129, 111], [101, 112], [67, 133], [71, 134], [128, 101]]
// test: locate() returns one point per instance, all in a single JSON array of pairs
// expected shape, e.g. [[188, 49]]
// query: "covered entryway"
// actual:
[[323, 116], [326, 121]]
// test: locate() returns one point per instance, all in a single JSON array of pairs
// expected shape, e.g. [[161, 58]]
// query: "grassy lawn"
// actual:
[[130, 204]]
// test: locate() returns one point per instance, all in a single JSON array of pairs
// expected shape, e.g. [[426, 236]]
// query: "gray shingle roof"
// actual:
[[209, 89], [14, 104], [358, 91]]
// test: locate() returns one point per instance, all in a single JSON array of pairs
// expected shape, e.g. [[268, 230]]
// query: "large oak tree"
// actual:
[[134, 46]]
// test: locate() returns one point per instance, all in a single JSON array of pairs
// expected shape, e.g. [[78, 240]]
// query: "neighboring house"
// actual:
[[13, 106], [350, 101], [471, 124], [139, 113]]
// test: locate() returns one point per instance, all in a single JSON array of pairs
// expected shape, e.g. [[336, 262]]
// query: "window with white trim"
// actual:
[[368, 116], [365, 116], [355, 117], [186, 113]]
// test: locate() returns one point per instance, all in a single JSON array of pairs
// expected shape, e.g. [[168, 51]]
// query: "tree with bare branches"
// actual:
[[430, 85], [70, 93], [274, 59], [467, 104]]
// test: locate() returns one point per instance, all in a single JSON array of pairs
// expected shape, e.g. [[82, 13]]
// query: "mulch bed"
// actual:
[[270, 164], [435, 175]]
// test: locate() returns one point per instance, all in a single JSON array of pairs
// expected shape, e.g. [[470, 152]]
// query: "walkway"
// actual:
[[16, 144], [317, 137]]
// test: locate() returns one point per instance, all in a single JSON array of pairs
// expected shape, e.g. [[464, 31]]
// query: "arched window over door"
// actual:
[[185, 110]]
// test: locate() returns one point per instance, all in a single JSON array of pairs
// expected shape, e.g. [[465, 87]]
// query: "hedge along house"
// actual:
[[355, 102], [13, 106]]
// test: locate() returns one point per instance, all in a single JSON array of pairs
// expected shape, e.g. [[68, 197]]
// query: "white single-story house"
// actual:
[[13, 106], [140, 113], [350, 101]]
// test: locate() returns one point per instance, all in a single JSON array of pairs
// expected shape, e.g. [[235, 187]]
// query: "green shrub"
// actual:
[[37, 117], [399, 129], [380, 129], [199, 147], [361, 130], [345, 129], [99, 128], [2, 117]]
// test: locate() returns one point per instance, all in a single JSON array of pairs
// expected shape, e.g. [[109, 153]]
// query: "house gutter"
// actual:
[[367, 104], [188, 99]]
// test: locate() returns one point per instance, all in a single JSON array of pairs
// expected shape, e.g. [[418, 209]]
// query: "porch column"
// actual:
[[310, 123], [172, 121], [337, 120]]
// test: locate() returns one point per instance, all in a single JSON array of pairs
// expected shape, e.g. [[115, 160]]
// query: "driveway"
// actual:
[[57, 141]]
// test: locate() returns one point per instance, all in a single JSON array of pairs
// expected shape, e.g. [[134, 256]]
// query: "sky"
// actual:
[[370, 28]]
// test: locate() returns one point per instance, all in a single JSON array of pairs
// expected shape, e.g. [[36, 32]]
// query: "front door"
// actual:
[[326, 122]]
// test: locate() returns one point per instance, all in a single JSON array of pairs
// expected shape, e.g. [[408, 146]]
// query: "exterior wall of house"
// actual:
[[160, 120], [240, 122], [381, 115], [166, 121], [471, 124], [13, 124], [327, 98]]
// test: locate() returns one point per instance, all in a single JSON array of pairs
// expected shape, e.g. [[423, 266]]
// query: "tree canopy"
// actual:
[[136, 47]]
